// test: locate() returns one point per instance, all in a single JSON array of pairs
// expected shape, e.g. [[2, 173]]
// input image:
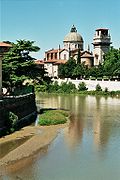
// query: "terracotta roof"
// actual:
[[56, 61], [50, 61], [41, 62], [54, 50], [86, 54], [5, 44], [61, 61]]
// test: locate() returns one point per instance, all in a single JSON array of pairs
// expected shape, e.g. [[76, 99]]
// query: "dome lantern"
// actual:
[[73, 29]]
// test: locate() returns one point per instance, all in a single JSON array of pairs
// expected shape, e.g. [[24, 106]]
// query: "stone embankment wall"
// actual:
[[91, 84], [23, 106]]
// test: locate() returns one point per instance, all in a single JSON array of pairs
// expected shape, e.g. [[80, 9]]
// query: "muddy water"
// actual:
[[89, 149]]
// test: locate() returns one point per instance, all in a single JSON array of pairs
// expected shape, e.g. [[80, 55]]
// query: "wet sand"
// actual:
[[40, 138]]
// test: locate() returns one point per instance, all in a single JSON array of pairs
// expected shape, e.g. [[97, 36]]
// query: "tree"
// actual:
[[66, 70], [79, 57], [18, 65], [79, 71], [112, 62]]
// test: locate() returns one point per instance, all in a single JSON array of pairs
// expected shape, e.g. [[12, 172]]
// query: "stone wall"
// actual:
[[23, 106], [91, 84]]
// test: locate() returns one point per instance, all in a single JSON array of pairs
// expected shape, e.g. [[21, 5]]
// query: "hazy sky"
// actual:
[[48, 21]]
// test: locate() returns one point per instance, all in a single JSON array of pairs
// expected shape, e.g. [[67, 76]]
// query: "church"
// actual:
[[73, 43]]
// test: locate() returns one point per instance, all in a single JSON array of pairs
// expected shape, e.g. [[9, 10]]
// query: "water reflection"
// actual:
[[93, 137], [74, 133], [96, 116]]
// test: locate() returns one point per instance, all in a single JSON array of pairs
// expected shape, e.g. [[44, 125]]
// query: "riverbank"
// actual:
[[39, 138]]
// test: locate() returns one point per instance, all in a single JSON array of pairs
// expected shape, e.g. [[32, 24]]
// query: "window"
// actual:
[[65, 56], [55, 55], [51, 55]]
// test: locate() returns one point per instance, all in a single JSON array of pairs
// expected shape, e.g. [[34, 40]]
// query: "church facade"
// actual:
[[73, 43]]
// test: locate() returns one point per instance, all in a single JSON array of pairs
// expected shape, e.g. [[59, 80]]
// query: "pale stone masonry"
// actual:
[[91, 84]]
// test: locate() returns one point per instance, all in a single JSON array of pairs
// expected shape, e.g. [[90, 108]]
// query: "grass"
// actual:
[[53, 117]]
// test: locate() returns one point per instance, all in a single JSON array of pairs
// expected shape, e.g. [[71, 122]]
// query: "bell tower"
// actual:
[[101, 43]]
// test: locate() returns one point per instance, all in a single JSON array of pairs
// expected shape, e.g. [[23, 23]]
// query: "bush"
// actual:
[[67, 88], [106, 89], [53, 87], [40, 88], [98, 88], [53, 117], [82, 87], [12, 121]]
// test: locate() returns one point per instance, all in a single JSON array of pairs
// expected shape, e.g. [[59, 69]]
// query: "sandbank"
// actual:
[[39, 137]]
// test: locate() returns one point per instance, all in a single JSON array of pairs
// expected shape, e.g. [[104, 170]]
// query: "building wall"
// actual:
[[87, 61], [50, 69], [64, 55], [73, 45]]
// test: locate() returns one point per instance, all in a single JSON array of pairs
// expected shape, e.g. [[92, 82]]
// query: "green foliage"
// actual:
[[67, 88], [12, 121], [93, 78], [20, 90], [106, 90], [79, 71], [53, 117], [53, 87], [105, 78], [18, 65], [82, 87], [40, 88], [66, 70], [112, 63], [79, 57], [98, 87]]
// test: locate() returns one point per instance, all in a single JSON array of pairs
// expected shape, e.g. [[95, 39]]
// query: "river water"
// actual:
[[89, 149]]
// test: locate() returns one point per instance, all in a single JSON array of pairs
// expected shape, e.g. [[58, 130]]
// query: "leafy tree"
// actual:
[[112, 62], [67, 87], [79, 57], [79, 71], [66, 70], [18, 65]]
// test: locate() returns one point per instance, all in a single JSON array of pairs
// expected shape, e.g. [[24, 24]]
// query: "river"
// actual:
[[89, 149]]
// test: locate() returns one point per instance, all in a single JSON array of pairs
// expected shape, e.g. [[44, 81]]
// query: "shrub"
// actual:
[[82, 87], [12, 121], [106, 89], [67, 88], [98, 88], [53, 117], [40, 88], [53, 87]]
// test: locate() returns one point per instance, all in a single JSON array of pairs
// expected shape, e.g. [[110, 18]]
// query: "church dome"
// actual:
[[73, 36]]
